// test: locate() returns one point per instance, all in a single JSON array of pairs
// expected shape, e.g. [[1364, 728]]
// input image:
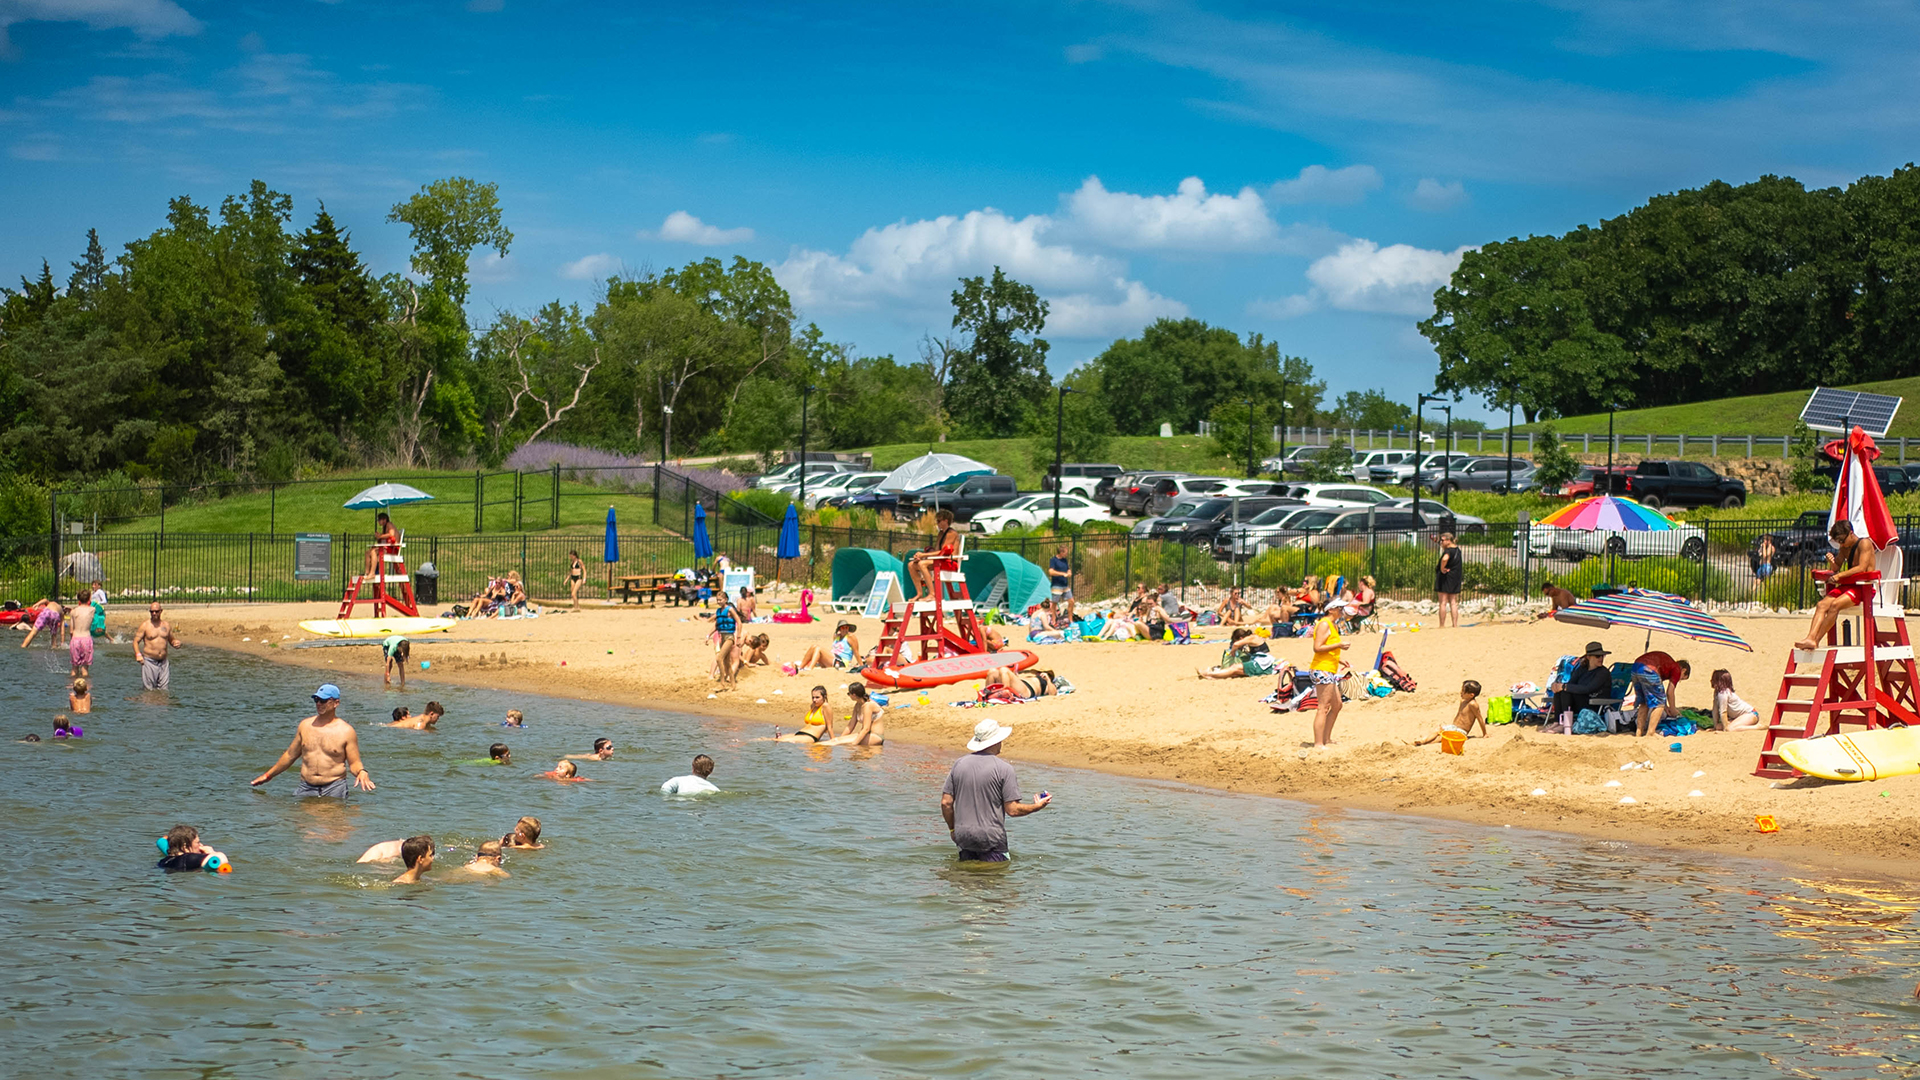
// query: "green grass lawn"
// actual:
[[1763, 414], [316, 507]]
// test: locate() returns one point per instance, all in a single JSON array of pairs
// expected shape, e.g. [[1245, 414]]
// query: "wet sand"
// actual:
[[1139, 710]]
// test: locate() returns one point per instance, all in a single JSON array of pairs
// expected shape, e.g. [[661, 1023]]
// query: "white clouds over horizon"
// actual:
[[1319, 184], [150, 20], [590, 267], [1398, 279], [1190, 219], [683, 228]]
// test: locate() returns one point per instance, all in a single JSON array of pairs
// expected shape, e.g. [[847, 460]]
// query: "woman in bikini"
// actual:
[[818, 724], [869, 729], [945, 545], [840, 654], [1040, 682], [576, 574]]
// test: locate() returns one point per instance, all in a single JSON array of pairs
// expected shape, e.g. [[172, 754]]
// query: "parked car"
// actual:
[[1478, 474], [1300, 459], [1368, 460], [1805, 543], [1277, 464], [1082, 478], [791, 473], [1590, 481], [1358, 530], [1437, 513], [1257, 486], [1198, 525], [1401, 473], [1165, 491], [1682, 483], [1893, 479], [966, 497], [827, 487], [1035, 510], [1549, 542], [1132, 491], [1242, 542], [1348, 495]]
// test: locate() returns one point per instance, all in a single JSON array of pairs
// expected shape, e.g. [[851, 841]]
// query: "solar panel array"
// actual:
[[1837, 411]]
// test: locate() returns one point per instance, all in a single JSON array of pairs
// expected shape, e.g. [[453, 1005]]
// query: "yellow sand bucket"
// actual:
[[1453, 742]]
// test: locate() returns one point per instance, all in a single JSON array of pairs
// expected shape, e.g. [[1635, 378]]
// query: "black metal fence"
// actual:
[[1715, 561]]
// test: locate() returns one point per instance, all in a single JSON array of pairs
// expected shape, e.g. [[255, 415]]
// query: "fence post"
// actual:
[[1749, 444], [163, 518], [53, 535], [526, 582], [479, 499], [153, 582], [1073, 561], [519, 500], [273, 507], [1786, 446], [1526, 555], [249, 568], [1706, 556], [1126, 582], [1716, 447], [556, 496], [1586, 442], [1683, 447]]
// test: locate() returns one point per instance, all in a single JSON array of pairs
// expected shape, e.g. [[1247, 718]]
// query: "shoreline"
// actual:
[[1168, 726]]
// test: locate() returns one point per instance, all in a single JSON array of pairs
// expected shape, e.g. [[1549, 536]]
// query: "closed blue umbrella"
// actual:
[[610, 551], [789, 535], [702, 546]]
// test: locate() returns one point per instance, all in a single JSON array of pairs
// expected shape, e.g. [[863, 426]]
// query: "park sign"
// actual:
[[312, 557]]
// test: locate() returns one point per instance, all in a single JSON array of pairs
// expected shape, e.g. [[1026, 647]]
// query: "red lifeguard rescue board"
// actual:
[[951, 669]]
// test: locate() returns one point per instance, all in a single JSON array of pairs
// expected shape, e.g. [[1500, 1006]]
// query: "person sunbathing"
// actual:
[[1246, 656], [868, 728], [1308, 594], [1282, 608], [1233, 610], [817, 726], [1040, 682], [841, 653]]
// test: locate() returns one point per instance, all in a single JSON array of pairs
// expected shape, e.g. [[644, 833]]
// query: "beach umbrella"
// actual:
[[1857, 499], [610, 550], [702, 546], [381, 496], [1650, 610], [1609, 512], [931, 469], [789, 545]]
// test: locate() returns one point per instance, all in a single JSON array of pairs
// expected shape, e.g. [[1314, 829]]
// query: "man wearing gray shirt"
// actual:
[[980, 794]]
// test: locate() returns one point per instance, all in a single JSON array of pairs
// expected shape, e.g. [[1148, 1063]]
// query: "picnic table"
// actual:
[[645, 587]]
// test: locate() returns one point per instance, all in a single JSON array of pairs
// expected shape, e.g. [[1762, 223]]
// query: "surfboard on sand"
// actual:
[[1860, 755], [374, 628]]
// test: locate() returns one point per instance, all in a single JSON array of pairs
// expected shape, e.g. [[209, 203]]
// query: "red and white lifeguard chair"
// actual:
[[937, 639], [1865, 685], [389, 568]]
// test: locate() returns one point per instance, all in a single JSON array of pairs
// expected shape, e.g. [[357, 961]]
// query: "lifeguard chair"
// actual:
[[390, 568], [937, 639], [1865, 685]]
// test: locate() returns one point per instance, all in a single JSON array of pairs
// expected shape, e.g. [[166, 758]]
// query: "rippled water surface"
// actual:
[[811, 921]]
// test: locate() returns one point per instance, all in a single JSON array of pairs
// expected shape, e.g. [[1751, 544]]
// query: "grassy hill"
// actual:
[[1761, 414]]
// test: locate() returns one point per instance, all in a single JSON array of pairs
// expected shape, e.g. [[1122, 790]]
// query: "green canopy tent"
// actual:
[[1004, 580], [853, 572]]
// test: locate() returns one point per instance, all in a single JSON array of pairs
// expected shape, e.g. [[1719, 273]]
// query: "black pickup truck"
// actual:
[[1680, 483], [1805, 543], [965, 497]]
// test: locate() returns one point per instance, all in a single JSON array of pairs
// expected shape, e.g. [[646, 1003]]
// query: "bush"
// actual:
[[771, 503], [1555, 464], [23, 507]]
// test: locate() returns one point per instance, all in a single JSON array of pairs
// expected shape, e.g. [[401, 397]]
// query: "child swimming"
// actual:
[[566, 770], [80, 698], [487, 860], [602, 750], [1465, 717], [514, 719], [64, 728], [417, 853], [181, 850], [525, 834]]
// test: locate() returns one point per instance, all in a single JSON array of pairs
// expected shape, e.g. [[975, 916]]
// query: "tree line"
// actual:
[[231, 344], [1712, 292]]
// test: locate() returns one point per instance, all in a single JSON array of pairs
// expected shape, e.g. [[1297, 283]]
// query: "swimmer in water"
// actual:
[[514, 719], [384, 851], [417, 853], [695, 784], [64, 728], [183, 851], [525, 835], [566, 770], [487, 860], [80, 698], [500, 754], [817, 726], [602, 750]]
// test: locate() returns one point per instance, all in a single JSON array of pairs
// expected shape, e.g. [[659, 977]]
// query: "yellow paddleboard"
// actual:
[[374, 628], [1863, 755]]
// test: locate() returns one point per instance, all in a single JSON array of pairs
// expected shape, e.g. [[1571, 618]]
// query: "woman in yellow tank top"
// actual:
[[1325, 672], [818, 724]]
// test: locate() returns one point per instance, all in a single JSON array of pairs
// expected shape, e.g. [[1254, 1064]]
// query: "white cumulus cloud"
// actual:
[[1190, 219], [590, 267], [150, 19], [1095, 316], [1319, 184], [1399, 279], [1433, 196], [682, 227]]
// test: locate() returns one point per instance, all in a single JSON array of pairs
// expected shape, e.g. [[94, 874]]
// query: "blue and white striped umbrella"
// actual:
[[1650, 610]]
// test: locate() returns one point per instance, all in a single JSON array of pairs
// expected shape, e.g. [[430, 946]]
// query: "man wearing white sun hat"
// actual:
[[980, 794]]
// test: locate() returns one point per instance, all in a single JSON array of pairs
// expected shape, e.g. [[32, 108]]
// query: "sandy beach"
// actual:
[[1139, 710]]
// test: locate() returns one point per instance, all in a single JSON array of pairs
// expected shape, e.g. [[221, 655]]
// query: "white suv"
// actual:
[[1367, 460], [1352, 495]]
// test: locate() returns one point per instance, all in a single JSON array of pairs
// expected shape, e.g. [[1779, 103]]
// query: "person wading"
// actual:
[[981, 793]]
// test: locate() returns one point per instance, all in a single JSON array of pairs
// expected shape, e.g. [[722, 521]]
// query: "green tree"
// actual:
[[1080, 420], [449, 220], [999, 379], [1369, 410], [1806, 460], [1554, 464], [766, 419], [1332, 464], [1179, 369], [1230, 421]]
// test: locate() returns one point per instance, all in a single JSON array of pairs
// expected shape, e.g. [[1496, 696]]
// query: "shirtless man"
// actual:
[[1557, 597], [1853, 557], [869, 727], [327, 749], [150, 644]]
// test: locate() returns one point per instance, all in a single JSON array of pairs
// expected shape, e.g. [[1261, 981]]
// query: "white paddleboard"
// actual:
[[374, 628]]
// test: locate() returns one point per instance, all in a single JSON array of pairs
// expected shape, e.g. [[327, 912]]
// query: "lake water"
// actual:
[[811, 922]]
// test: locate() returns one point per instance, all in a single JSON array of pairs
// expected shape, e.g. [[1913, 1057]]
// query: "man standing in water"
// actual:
[[150, 645], [980, 794], [327, 749]]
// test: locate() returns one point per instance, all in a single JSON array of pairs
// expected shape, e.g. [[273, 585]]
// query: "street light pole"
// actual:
[[1419, 408], [1283, 426], [805, 393], [1059, 430], [1510, 390], [1249, 403], [666, 421], [1446, 463], [1610, 407]]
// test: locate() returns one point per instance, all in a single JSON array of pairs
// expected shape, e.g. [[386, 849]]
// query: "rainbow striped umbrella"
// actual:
[[1610, 512], [1650, 610]]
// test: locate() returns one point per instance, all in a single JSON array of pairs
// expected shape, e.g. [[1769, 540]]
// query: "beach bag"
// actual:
[[458, 611], [1377, 686], [1208, 618], [1563, 670], [1091, 629], [1676, 726], [1284, 629], [1182, 632], [1500, 710], [1390, 668], [1588, 723]]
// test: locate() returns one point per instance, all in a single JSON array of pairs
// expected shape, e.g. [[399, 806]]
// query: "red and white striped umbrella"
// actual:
[[1857, 497]]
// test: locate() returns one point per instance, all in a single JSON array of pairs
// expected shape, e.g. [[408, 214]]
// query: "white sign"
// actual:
[[735, 580], [886, 589]]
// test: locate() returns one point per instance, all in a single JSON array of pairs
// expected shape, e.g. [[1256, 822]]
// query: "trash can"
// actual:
[[426, 585]]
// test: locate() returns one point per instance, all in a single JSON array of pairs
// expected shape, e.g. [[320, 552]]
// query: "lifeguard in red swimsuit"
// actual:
[[1853, 559], [945, 546]]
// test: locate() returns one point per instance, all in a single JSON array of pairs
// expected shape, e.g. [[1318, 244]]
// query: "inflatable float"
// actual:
[[375, 628], [949, 669]]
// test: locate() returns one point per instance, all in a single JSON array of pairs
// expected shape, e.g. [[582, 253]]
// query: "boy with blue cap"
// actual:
[[327, 748]]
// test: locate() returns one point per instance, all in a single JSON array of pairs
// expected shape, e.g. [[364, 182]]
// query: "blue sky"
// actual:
[[1305, 173]]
